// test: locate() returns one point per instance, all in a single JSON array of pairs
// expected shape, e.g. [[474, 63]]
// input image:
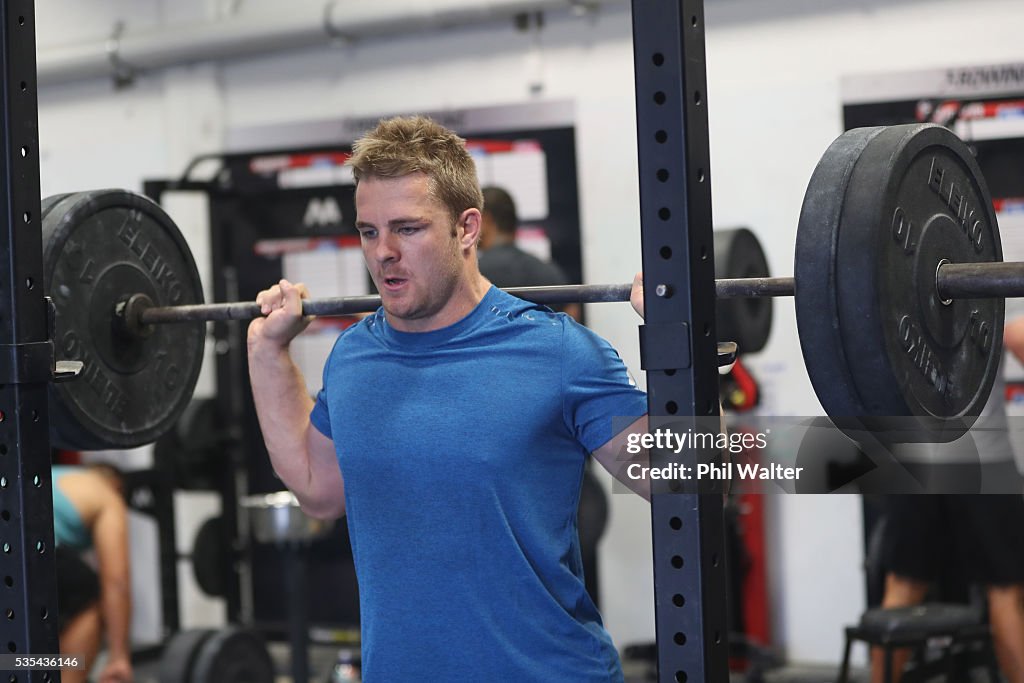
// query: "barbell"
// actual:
[[952, 281], [899, 286]]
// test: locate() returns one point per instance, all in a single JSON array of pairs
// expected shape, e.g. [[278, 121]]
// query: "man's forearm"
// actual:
[[283, 406]]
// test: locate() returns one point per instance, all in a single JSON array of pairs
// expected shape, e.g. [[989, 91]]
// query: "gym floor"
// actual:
[[321, 663], [322, 659]]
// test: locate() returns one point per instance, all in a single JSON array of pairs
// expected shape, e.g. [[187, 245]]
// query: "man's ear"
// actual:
[[471, 223]]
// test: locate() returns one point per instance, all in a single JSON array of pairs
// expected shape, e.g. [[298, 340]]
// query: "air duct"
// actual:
[[302, 26]]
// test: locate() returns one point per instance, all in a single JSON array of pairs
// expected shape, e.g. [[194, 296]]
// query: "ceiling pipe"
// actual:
[[126, 52]]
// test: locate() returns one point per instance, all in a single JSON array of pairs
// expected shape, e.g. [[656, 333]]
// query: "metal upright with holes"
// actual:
[[28, 596], [678, 341]]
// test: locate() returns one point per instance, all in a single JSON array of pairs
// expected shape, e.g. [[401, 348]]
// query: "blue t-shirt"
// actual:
[[462, 451]]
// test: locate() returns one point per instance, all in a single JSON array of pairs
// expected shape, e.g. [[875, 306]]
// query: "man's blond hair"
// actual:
[[410, 144]]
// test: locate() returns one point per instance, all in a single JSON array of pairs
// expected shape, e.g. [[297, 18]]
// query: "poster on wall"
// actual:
[[984, 105]]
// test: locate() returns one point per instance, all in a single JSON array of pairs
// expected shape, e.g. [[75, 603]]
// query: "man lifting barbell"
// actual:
[[898, 290], [462, 513]]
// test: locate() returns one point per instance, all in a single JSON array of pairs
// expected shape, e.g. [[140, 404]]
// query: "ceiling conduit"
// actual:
[[304, 26]]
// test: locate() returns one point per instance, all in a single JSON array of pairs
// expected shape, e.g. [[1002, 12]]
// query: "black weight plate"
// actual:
[[817, 309], [179, 655], [209, 557], [884, 208], [49, 202], [917, 198], [99, 248], [746, 321], [233, 655]]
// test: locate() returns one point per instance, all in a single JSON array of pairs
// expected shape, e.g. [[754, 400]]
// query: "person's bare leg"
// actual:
[[1006, 618], [900, 591], [81, 638]]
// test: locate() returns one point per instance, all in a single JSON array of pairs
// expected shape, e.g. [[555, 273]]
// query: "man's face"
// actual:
[[412, 250]]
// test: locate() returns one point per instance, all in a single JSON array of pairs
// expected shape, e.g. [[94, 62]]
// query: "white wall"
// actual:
[[773, 90]]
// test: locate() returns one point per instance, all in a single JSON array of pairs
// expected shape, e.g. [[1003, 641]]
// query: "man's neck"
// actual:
[[468, 292]]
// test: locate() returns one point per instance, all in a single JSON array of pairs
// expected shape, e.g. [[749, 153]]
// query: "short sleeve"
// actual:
[[598, 395], [320, 416]]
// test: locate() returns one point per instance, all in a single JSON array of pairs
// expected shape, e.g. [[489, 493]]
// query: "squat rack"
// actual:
[[678, 343], [28, 606]]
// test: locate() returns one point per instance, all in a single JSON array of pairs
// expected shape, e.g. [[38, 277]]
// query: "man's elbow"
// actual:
[[326, 510]]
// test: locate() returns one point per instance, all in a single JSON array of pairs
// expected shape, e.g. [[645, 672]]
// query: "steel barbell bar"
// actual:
[[146, 314], [952, 281]]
